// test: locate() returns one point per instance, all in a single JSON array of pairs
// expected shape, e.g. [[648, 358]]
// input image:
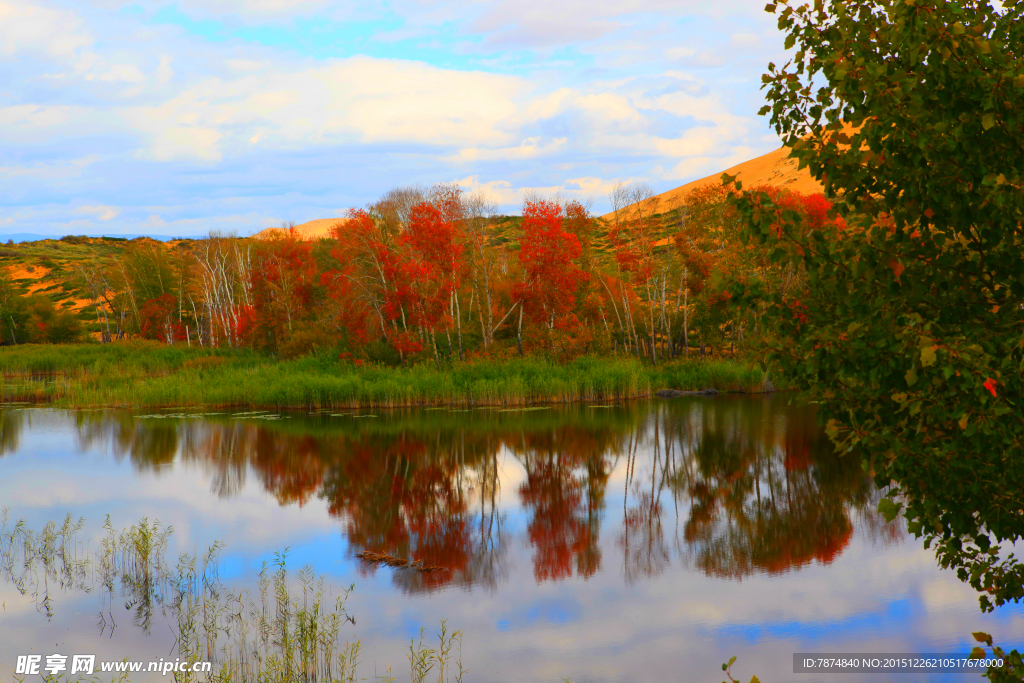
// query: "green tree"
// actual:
[[910, 330]]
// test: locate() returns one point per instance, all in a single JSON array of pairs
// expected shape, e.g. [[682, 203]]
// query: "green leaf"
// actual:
[[988, 120], [982, 637], [928, 355], [911, 377], [832, 429], [888, 509]]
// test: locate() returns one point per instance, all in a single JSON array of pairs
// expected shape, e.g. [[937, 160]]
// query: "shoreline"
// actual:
[[148, 376]]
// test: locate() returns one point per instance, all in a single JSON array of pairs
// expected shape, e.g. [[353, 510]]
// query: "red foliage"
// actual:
[[282, 286], [548, 253], [157, 319], [813, 209], [432, 265]]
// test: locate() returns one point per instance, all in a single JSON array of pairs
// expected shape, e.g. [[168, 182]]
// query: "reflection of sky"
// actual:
[[870, 599]]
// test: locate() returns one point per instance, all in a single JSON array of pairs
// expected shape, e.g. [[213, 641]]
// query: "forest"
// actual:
[[422, 275]]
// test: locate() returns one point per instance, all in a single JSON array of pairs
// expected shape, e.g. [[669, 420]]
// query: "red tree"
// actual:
[[157, 318], [548, 254]]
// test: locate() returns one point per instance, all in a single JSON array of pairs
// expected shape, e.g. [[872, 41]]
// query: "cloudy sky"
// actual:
[[175, 118]]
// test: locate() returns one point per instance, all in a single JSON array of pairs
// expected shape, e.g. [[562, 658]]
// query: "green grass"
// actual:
[[151, 375]]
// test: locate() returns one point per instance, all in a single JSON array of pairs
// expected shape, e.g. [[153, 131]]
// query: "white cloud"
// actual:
[[274, 122], [545, 24], [530, 148], [357, 100], [49, 171], [550, 105], [29, 116], [609, 107], [29, 28], [104, 213], [246, 65], [126, 73], [506, 194]]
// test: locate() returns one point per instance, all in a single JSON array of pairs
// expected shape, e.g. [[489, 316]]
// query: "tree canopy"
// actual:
[[909, 331]]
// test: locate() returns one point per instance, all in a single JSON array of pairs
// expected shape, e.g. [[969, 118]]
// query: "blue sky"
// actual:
[[177, 118]]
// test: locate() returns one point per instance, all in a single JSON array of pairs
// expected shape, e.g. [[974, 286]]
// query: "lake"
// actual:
[[647, 541]]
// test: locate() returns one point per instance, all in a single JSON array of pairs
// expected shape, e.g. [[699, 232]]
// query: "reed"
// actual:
[[283, 631], [143, 375]]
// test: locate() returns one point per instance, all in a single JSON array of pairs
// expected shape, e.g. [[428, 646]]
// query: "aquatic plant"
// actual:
[[275, 634]]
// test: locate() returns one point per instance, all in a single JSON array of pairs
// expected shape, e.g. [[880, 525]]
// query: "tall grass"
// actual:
[[151, 375], [277, 633]]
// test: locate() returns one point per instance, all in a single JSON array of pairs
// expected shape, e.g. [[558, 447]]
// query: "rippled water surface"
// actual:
[[639, 542]]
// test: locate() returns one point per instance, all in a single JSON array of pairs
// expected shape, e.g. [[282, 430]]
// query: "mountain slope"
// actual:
[[312, 230], [774, 168]]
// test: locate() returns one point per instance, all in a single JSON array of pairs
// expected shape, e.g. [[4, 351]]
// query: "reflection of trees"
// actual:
[[766, 492], [402, 497], [11, 422], [751, 483], [642, 539], [151, 444], [566, 475]]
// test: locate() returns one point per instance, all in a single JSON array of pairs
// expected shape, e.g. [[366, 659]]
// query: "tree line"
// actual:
[[435, 274]]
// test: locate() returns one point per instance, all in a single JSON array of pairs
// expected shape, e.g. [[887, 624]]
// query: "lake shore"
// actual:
[[149, 375]]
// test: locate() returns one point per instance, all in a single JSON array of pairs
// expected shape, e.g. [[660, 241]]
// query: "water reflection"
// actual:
[[605, 544], [730, 487]]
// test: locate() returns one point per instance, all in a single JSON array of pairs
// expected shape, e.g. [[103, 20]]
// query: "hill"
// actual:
[[774, 168], [312, 230]]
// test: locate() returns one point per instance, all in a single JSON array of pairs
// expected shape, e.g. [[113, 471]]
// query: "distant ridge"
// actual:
[[773, 168], [33, 237]]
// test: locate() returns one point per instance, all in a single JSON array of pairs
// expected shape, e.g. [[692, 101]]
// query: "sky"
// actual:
[[178, 118]]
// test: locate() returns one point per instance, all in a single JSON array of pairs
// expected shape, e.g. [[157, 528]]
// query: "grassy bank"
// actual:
[[151, 375]]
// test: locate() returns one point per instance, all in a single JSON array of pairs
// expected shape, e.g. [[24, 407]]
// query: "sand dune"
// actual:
[[312, 230], [774, 168]]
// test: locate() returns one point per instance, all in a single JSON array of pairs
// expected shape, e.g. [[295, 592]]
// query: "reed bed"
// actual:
[[145, 375], [286, 630]]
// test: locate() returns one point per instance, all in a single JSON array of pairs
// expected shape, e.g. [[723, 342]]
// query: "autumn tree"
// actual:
[[158, 320], [911, 114], [365, 284], [634, 236], [548, 254], [283, 284], [223, 274], [431, 263]]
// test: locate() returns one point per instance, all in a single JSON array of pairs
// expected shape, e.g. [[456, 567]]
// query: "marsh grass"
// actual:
[[138, 374], [284, 631], [35, 563]]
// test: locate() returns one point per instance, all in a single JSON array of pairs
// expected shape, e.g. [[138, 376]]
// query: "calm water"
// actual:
[[644, 542]]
